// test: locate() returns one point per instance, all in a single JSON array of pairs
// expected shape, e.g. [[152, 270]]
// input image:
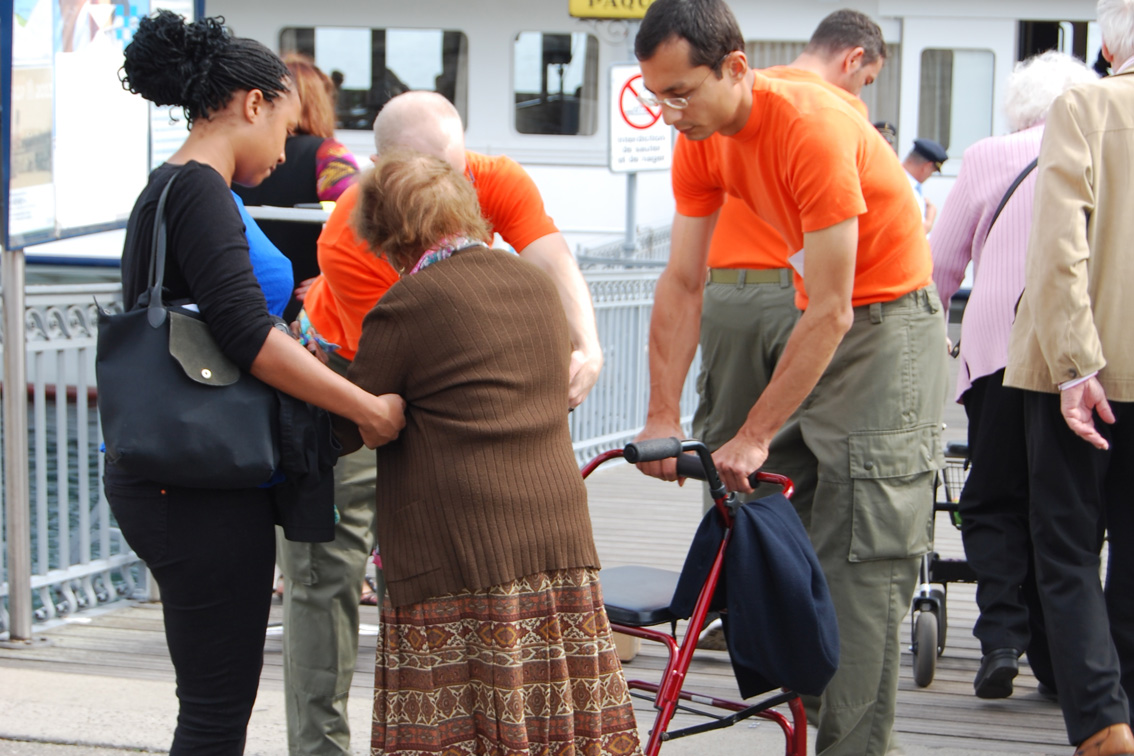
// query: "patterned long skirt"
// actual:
[[527, 667]]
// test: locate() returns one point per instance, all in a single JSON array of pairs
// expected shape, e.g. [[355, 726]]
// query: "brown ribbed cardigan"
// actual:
[[481, 487]]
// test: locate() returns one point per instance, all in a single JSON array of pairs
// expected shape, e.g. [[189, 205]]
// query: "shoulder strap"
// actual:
[[155, 307], [1008, 194]]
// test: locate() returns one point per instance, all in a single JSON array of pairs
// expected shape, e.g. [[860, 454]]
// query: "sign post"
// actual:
[[15, 418], [640, 139]]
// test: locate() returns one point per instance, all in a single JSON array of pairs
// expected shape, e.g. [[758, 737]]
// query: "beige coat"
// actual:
[[1077, 312]]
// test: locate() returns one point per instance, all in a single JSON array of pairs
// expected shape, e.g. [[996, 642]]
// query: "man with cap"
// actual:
[[889, 132], [925, 159]]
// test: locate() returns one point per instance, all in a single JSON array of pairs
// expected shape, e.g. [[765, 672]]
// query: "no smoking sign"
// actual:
[[636, 115], [640, 140]]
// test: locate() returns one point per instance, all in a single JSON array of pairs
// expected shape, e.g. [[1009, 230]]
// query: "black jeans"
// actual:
[[1078, 490], [212, 554], [994, 525]]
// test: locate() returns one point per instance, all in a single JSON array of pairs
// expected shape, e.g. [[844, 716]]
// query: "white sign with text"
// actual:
[[640, 140]]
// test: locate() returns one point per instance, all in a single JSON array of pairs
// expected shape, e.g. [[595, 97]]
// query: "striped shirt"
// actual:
[[988, 168]]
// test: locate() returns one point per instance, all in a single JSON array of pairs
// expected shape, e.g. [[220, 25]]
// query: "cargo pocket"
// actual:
[[892, 474]]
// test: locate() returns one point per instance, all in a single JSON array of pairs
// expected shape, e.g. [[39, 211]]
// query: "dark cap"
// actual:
[[931, 151], [888, 131], [886, 128]]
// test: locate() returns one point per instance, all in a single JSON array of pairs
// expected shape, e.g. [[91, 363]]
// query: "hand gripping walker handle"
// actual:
[[651, 449]]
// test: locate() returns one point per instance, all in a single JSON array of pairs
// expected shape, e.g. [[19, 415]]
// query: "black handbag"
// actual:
[[174, 408]]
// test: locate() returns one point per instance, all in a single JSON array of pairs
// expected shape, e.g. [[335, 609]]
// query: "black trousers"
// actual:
[[212, 554], [994, 525], [1077, 491]]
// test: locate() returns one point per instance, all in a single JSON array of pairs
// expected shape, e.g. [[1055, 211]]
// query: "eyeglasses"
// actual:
[[680, 103]]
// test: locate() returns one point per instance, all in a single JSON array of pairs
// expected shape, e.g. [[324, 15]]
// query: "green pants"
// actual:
[[322, 589], [744, 328], [870, 430]]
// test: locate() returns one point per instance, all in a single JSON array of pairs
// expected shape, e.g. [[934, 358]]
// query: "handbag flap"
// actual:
[[191, 343]]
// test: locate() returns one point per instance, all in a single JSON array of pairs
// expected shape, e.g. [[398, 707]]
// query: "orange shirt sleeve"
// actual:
[[823, 150], [698, 188], [351, 282], [509, 199]]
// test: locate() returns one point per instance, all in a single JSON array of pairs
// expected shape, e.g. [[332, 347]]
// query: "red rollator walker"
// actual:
[[638, 597]]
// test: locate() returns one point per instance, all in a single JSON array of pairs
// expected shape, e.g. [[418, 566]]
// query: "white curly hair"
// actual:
[[1036, 82]]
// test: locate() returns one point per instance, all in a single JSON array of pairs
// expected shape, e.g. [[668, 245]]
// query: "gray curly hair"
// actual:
[[1036, 82]]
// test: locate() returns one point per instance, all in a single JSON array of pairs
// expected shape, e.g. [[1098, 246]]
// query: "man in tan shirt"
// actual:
[[1071, 350]]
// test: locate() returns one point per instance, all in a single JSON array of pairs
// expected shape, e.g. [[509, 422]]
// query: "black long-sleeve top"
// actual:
[[207, 259]]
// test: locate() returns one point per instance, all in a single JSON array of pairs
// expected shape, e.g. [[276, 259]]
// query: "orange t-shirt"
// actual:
[[741, 239], [804, 161], [353, 278]]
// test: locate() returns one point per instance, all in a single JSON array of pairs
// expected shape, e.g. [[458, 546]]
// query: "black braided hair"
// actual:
[[197, 66]]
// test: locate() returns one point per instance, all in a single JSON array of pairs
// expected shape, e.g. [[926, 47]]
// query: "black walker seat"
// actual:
[[637, 597]]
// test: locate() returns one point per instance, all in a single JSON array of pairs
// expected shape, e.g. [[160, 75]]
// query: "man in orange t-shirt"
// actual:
[[323, 581], [864, 366], [748, 307]]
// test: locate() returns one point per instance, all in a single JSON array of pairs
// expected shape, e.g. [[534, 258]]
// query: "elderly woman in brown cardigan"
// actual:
[[493, 636]]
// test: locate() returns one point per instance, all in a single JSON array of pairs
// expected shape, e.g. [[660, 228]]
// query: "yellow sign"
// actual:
[[608, 8]]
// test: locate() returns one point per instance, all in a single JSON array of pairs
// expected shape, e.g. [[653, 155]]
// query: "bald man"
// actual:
[[322, 585]]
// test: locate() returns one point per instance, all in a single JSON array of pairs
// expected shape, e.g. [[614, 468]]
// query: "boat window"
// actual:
[[1078, 38], [370, 66], [956, 97], [881, 97], [555, 82]]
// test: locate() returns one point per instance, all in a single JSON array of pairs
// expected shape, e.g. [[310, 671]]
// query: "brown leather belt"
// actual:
[[743, 276]]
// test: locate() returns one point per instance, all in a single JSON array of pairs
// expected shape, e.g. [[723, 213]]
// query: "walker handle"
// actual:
[[652, 449], [689, 466]]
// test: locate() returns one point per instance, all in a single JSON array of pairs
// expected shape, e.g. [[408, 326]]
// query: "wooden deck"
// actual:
[[637, 520], [642, 521]]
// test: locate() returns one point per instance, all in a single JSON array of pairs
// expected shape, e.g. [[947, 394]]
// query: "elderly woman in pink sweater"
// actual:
[[994, 502]]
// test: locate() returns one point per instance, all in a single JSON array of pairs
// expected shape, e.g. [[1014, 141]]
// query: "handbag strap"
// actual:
[[1008, 194], [155, 307]]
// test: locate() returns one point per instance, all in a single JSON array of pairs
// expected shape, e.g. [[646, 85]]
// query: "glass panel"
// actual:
[[555, 79], [369, 66], [955, 101]]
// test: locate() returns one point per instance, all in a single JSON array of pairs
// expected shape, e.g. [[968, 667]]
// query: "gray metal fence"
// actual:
[[79, 559]]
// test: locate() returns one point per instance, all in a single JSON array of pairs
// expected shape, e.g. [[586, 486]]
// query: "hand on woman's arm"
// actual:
[[286, 365]]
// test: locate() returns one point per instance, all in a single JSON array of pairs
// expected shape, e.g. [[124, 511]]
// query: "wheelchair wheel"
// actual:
[[925, 648]]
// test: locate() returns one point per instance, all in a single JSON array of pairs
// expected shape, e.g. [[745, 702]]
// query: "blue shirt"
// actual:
[[272, 269]]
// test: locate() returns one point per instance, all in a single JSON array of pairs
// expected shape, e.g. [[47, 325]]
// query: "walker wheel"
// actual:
[[925, 648]]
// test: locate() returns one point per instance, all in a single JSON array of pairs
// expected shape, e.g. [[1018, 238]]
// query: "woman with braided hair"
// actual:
[[212, 551]]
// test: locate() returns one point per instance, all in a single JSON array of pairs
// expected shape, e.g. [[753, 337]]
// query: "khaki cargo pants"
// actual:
[[322, 589], [870, 435]]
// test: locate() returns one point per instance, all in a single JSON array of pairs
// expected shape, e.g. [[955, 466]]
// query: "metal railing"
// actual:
[[616, 407], [651, 251], [79, 559]]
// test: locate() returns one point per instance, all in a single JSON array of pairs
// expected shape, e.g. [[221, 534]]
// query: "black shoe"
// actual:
[[997, 670], [1047, 692]]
